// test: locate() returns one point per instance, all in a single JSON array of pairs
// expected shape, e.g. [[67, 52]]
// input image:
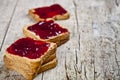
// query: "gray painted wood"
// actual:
[[7, 9], [93, 51]]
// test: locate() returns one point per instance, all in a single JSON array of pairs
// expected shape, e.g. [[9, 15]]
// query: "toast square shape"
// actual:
[[47, 30], [55, 11], [29, 67]]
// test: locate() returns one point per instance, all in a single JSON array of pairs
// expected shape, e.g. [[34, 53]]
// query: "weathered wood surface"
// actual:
[[93, 51]]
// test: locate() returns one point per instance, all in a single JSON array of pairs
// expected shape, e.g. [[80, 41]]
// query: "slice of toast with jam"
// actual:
[[27, 56], [55, 12]]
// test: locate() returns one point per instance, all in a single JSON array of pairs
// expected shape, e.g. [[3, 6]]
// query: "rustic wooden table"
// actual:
[[93, 51]]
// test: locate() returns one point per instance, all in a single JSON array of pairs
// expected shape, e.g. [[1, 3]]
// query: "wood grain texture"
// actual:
[[7, 9], [93, 51]]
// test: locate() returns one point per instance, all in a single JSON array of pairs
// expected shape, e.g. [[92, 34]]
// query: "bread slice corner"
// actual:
[[49, 65]]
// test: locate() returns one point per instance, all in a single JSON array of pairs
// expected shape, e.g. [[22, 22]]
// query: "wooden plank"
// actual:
[[20, 19], [93, 51], [7, 8], [98, 44]]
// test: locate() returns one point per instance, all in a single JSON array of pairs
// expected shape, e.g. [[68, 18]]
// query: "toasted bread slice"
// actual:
[[50, 58], [48, 11], [46, 66], [26, 66], [49, 65], [58, 39]]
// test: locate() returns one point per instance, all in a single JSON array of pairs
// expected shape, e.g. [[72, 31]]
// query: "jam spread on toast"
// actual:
[[49, 12], [47, 29], [27, 47]]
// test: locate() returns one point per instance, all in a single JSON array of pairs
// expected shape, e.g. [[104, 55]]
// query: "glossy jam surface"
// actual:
[[27, 47], [49, 12], [46, 29]]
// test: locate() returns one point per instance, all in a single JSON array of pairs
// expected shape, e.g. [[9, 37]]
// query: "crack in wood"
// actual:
[[85, 73], [66, 70], [42, 76], [116, 2], [75, 5], [79, 41], [94, 69], [77, 72], [75, 67], [81, 66], [76, 56], [76, 17]]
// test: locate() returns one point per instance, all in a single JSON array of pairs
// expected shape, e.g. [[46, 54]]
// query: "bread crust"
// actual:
[[27, 67], [59, 39], [56, 17], [50, 58], [49, 65]]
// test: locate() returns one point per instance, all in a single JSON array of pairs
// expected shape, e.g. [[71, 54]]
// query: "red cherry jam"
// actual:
[[49, 12], [27, 47], [47, 29]]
